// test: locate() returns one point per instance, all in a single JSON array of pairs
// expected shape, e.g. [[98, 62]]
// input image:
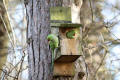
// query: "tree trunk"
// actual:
[[38, 27]]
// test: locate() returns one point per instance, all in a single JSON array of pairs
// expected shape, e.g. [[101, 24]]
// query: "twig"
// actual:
[[91, 11], [86, 67], [6, 30], [111, 32], [13, 32], [15, 67], [106, 51], [22, 60], [4, 71]]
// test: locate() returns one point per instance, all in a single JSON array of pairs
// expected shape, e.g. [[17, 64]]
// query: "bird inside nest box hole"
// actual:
[[71, 34]]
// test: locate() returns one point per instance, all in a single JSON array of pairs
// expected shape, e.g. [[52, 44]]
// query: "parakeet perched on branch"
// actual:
[[71, 34], [53, 42]]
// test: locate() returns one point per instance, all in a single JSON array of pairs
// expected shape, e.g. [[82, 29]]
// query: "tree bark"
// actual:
[[38, 27]]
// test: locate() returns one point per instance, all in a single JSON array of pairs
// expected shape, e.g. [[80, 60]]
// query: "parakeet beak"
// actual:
[[73, 34]]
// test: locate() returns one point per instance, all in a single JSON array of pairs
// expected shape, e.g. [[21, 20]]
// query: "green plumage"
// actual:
[[53, 42], [70, 34]]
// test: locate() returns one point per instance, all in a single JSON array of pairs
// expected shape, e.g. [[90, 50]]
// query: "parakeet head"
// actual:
[[50, 37], [71, 34], [53, 40]]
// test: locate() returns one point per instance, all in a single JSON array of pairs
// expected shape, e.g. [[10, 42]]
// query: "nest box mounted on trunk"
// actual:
[[69, 37]]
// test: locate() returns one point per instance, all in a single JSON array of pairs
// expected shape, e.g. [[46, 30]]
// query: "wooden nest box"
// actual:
[[70, 48]]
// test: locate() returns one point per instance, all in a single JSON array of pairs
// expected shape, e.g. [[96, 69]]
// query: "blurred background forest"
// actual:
[[100, 40]]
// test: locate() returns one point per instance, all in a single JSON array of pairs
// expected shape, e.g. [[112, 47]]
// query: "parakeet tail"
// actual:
[[52, 59]]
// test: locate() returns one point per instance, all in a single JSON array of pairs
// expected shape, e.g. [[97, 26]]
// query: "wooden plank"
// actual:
[[64, 69], [60, 13], [59, 21], [69, 48], [64, 25], [67, 58]]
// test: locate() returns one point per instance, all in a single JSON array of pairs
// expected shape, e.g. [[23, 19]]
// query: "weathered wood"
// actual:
[[67, 58], [60, 13], [64, 25], [59, 21], [63, 78], [69, 48], [64, 69]]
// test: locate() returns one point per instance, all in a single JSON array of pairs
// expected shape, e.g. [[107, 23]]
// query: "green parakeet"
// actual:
[[70, 34], [53, 42]]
